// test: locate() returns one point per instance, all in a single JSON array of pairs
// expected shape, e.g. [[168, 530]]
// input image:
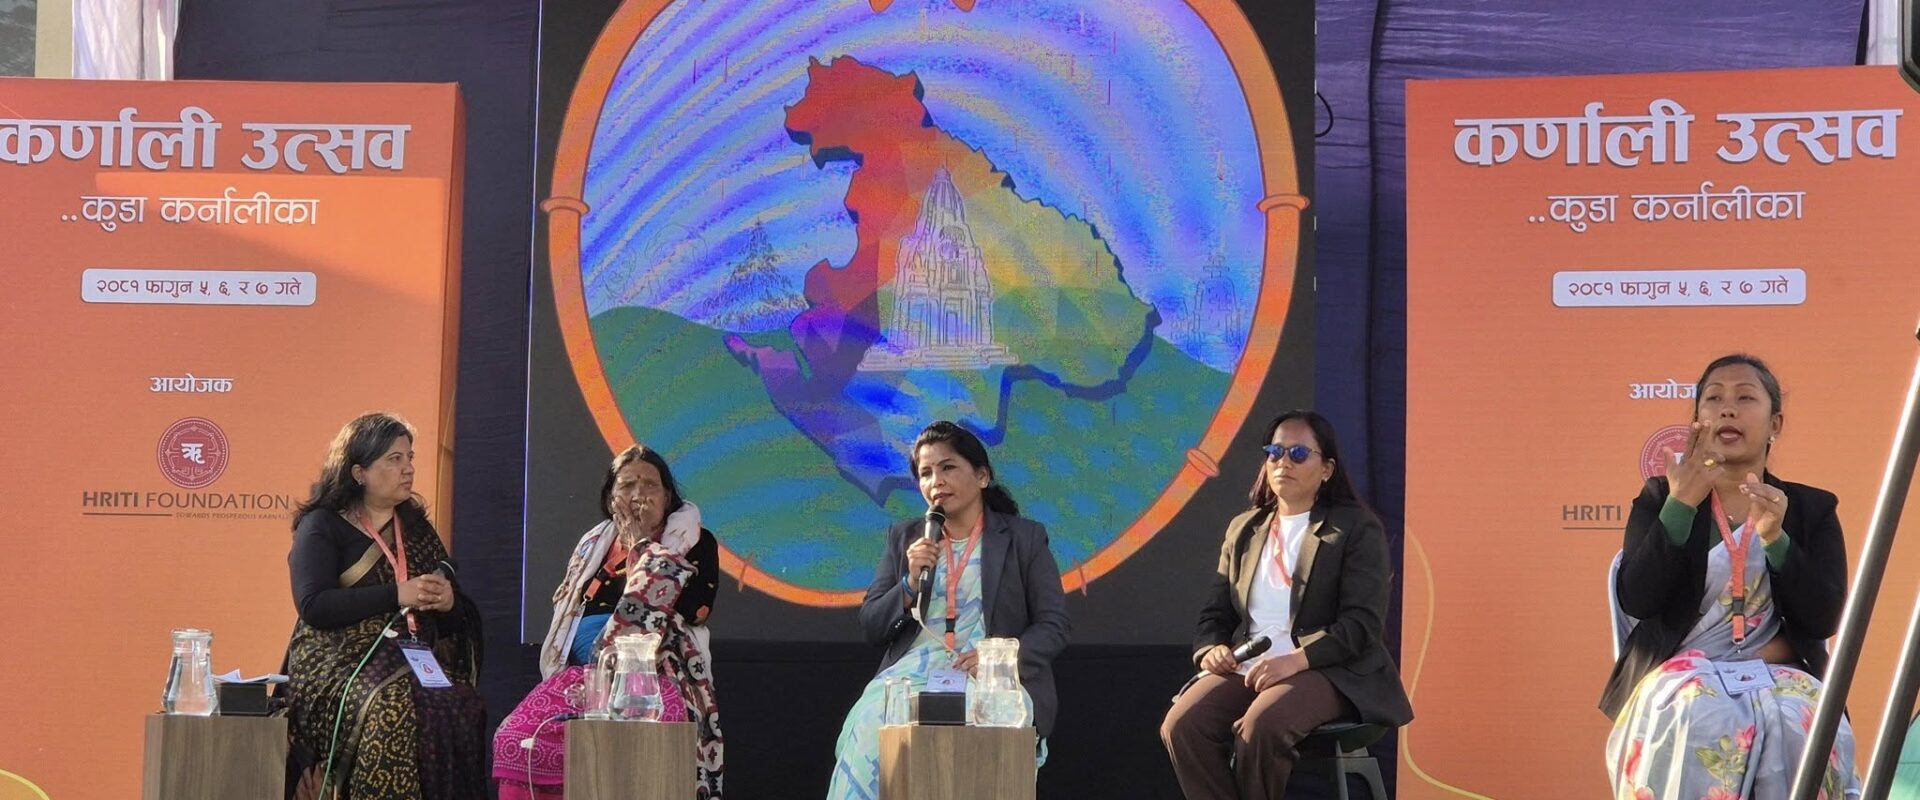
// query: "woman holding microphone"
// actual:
[[991, 574], [1306, 566]]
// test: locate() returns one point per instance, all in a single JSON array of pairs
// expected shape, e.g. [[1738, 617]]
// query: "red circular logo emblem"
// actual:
[[1653, 462], [193, 453]]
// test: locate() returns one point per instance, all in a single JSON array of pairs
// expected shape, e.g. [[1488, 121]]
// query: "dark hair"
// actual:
[[640, 452], [359, 443], [1336, 491], [968, 446], [1767, 380]]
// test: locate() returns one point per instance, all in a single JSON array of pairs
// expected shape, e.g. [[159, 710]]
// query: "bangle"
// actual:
[[907, 586]]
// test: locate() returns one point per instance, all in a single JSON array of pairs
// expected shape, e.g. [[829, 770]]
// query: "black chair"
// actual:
[[1338, 749]]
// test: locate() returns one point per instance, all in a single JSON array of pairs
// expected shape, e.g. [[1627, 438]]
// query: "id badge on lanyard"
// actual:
[[426, 668]]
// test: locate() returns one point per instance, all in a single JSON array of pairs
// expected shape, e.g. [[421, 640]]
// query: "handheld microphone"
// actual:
[[1251, 648], [935, 531]]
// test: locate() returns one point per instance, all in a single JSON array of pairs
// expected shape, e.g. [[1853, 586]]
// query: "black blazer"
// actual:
[[1020, 590], [1340, 591], [1661, 584]]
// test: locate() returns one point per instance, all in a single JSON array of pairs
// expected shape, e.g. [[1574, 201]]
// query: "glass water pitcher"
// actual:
[[190, 689]]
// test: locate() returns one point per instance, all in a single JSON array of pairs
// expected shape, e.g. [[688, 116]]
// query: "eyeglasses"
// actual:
[[1297, 453]]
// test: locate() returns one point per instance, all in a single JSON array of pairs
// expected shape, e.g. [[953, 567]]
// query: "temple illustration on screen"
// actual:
[[1215, 313], [942, 316]]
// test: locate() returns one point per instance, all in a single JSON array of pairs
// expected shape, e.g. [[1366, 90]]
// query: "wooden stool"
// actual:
[[954, 762], [609, 760], [214, 758]]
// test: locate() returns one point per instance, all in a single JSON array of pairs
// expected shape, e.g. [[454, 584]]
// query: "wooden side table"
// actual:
[[609, 760], [955, 762], [214, 758]]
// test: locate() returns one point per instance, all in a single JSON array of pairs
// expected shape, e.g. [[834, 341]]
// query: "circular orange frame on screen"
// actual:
[[1282, 205]]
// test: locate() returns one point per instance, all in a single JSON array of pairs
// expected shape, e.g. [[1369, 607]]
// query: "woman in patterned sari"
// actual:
[[993, 575], [649, 568], [1736, 578], [363, 553]]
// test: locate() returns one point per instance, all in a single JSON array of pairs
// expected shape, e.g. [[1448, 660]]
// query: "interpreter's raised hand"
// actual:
[[1693, 478], [1766, 508]]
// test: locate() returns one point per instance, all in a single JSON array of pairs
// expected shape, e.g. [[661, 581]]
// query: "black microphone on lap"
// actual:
[[1251, 648], [935, 531]]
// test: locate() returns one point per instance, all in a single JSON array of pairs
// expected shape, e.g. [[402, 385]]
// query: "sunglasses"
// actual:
[[1297, 454]]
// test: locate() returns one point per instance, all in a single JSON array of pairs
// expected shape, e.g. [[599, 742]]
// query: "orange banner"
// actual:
[[1578, 250], [203, 282]]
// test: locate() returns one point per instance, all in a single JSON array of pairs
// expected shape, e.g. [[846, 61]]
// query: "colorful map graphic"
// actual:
[[808, 229]]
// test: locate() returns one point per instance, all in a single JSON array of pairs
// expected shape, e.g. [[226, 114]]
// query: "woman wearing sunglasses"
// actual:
[[1307, 568]]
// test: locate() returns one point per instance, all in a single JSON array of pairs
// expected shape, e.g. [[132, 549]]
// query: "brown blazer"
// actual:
[[1341, 586]]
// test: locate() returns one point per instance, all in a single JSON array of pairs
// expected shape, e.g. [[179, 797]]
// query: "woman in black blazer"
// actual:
[[1306, 567], [1007, 585], [1735, 579]]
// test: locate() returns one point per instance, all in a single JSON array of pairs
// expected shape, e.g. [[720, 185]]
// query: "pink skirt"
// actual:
[[537, 769]]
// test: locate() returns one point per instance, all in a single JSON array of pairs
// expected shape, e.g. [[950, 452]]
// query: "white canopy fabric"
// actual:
[[124, 39]]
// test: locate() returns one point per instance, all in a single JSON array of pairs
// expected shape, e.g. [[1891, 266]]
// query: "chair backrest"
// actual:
[[1622, 624]]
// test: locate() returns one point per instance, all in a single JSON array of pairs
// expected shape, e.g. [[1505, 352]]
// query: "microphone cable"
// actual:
[[528, 743], [340, 714]]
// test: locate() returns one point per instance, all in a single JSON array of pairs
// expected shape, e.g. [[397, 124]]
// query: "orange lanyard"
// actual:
[[1279, 539], [396, 555], [1737, 548], [399, 559], [617, 553], [953, 578]]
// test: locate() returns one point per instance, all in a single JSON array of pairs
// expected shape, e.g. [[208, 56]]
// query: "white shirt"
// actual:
[[1270, 599]]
